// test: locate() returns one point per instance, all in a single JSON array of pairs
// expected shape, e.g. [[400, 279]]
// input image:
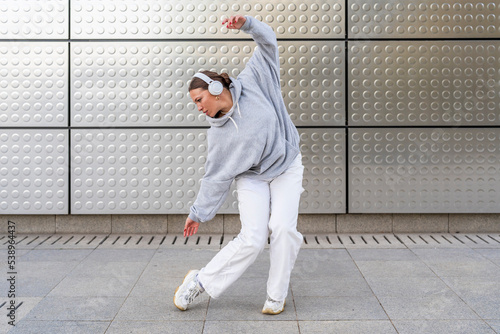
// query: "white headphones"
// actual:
[[214, 87]]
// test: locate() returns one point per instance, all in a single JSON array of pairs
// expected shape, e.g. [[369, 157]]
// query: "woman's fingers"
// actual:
[[233, 22]]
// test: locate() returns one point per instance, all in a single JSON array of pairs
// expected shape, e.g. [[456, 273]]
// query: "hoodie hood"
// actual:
[[235, 89]]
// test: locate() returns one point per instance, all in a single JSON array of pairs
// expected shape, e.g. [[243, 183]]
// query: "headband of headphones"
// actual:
[[214, 87]]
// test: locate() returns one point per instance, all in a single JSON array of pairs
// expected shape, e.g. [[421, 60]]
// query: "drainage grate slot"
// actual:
[[115, 240], [44, 240], [150, 241], [352, 240], [105, 238], [56, 240], [33, 240], [209, 239], [447, 239], [482, 239], [459, 239], [185, 241], [138, 241], [3, 304], [88, 243], [175, 239], [489, 236], [470, 239], [198, 241], [68, 240], [435, 239], [340, 240], [423, 239], [378, 243], [80, 240], [127, 240], [328, 239], [18, 306], [316, 238], [162, 240]]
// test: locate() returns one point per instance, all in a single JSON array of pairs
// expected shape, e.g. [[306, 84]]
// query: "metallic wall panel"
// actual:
[[34, 171], [440, 170], [137, 171], [423, 19], [323, 156], [424, 83], [145, 84], [158, 171], [129, 19], [34, 84], [28, 19]]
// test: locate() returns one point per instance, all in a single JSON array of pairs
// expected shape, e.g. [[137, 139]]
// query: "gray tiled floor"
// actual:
[[349, 290]]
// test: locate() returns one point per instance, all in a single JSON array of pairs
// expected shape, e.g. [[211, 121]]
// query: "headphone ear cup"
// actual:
[[215, 88]]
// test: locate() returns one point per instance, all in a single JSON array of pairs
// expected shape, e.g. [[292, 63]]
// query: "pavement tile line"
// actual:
[[217, 241]]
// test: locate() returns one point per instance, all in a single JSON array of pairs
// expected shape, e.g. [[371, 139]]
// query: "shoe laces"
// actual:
[[192, 292]]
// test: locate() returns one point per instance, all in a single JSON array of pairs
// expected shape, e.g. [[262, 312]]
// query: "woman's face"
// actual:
[[205, 101]]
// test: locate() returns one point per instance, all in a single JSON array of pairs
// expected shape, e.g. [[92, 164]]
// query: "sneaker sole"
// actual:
[[271, 312], [180, 308]]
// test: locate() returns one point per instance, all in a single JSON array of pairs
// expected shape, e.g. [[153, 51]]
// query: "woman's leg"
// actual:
[[285, 239], [228, 265]]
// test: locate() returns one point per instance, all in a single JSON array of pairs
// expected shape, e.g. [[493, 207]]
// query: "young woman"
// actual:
[[251, 140]]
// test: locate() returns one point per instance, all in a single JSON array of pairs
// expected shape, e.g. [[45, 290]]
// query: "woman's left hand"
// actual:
[[191, 227], [234, 22]]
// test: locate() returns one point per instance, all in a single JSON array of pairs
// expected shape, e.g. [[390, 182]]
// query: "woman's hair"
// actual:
[[199, 83]]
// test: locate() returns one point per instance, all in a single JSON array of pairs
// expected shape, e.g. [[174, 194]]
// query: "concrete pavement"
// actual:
[[382, 284]]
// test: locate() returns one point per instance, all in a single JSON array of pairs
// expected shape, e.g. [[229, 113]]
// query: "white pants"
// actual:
[[265, 207]]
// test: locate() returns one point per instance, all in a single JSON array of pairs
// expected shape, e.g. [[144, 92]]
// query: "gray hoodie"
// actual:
[[256, 138]]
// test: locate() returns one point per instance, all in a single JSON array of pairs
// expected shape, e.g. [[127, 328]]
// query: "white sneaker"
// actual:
[[187, 291], [273, 306]]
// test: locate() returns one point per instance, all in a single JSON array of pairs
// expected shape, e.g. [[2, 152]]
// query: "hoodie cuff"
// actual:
[[248, 24], [194, 217]]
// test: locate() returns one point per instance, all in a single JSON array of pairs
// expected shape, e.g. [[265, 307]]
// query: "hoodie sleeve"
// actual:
[[222, 166], [266, 56]]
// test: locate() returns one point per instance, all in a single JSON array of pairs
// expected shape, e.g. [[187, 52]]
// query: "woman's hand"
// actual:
[[234, 22], [191, 227]]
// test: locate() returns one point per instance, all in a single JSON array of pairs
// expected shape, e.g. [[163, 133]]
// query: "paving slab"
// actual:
[[440, 326], [494, 324], [351, 327], [161, 309], [91, 268], [324, 286], [94, 287], [339, 308], [76, 308], [250, 327], [246, 308], [391, 269], [155, 327], [407, 286], [48, 255], [443, 306], [121, 255], [60, 327]]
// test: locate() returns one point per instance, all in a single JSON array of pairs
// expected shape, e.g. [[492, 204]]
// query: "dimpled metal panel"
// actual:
[[28, 19], [423, 19], [323, 156], [180, 19], [144, 84], [34, 84], [424, 83], [34, 172], [437, 170], [312, 82], [137, 171]]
